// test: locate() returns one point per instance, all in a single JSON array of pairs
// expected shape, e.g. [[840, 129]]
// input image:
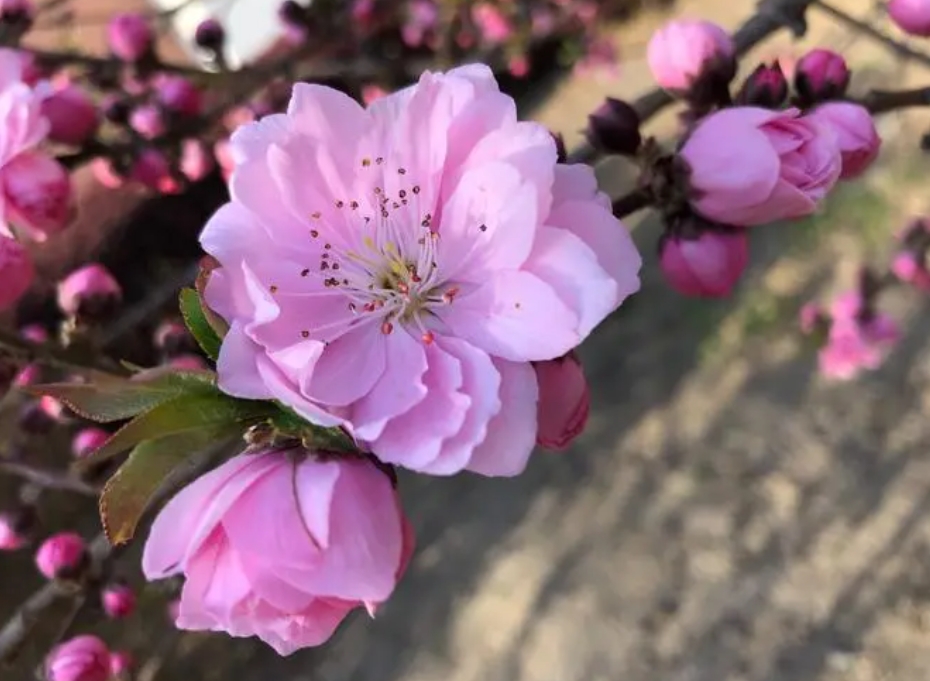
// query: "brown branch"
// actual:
[[632, 202], [867, 29], [48, 479], [882, 101]]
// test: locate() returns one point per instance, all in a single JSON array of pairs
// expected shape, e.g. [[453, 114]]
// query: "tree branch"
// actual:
[[51, 355], [48, 479], [882, 101]]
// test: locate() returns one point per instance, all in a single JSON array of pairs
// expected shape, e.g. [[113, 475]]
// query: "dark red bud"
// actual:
[[766, 87], [614, 128]]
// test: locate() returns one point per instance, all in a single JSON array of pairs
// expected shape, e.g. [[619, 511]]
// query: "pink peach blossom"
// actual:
[[684, 50], [398, 278], [197, 161], [855, 133], [751, 165], [857, 341], [281, 545], [148, 120], [16, 271], [911, 267], [121, 663], [564, 401]]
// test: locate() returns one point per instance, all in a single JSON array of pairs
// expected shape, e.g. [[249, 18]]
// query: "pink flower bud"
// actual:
[[493, 25], [911, 268], [12, 532], [118, 601], [911, 16], [53, 408], [34, 333], [89, 291], [106, 174], [222, 150], [685, 51], [121, 663], [178, 94], [83, 658], [188, 363], [210, 35], [37, 193], [706, 266], [197, 160], [151, 170], [855, 133], [518, 66], [61, 556], [614, 128], [766, 87], [71, 115], [17, 12], [171, 336], [422, 19], [563, 401], [809, 317], [31, 374], [16, 272], [130, 36], [148, 120], [88, 440], [820, 75]]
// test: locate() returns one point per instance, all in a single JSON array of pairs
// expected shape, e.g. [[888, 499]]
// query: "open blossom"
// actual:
[[395, 270], [751, 165], [855, 133], [281, 545], [856, 341]]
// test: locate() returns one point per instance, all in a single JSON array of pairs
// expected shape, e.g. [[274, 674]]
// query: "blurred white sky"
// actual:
[[251, 25]]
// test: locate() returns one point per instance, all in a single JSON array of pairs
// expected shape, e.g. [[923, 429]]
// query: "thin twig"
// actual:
[[881, 101], [48, 479]]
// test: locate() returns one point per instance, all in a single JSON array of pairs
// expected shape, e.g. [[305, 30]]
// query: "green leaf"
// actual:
[[130, 490], [290, 423], [201, 329], [190, 412], [118, 399]]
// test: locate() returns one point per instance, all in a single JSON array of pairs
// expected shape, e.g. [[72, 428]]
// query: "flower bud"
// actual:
[[911, 16], [188, 363], [911, 268], [492, 23], [197, 160], [766, 87], [88, 440], [820, 75], [62, 556], [14, 528], [130, 36], [178, 94], [692, 58], [614, 128], [564, 401], [172, 338], [16, 272], [89, 293], [856, 135], [121, 663], [148, 120], [118, 601], [17, 12], [707, 264], [71, 115], [34, 333], [210, 35], [54, 408], [292, 14], [83, 658], [34, 420], [31, 374], [37, 193], [151, 170]]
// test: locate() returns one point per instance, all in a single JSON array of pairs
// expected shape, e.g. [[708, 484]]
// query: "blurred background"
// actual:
[[727, 515]]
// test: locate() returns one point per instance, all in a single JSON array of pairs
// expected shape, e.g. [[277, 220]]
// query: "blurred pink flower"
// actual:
[[855, 341], [16, 271], [422, 18], [750, 165], [71, 114], [400, 283], [88, 440], [911, 16], [197, 161], [61, 555], [564, 401], [83, 658], [178, 94], [281, 545], [89, 286], [148, 120], [600, 57], [37, 196], [855, 133], [151, 170], [684, 50], [12, 537], [130, 36], [911, 268], [492, 23], [118, 600], [121, 663]]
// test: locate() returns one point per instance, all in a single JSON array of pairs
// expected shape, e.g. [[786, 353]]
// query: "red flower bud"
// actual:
[[61, 556], [88, 440], [118, 601], [766, 87], [210, 35], [16, 272], [614, 128], [820, 75]]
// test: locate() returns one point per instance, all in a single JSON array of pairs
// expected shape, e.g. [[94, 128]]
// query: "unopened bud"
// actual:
[[71, 115], [19, 13], [89, 293], [820, 75], [87, 441], [130, 36], [703, 261], [118, 601], [15, 527], [121, 664], [178, 94], [766, 87], [62, 556], [614, 128], [210, 35], [693, 59], [83, 658]]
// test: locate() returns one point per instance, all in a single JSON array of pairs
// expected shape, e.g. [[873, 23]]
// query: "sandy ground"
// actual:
[[727, 516]]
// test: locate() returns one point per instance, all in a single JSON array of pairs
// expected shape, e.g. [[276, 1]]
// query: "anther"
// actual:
[[428, 337], [386, 328]]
